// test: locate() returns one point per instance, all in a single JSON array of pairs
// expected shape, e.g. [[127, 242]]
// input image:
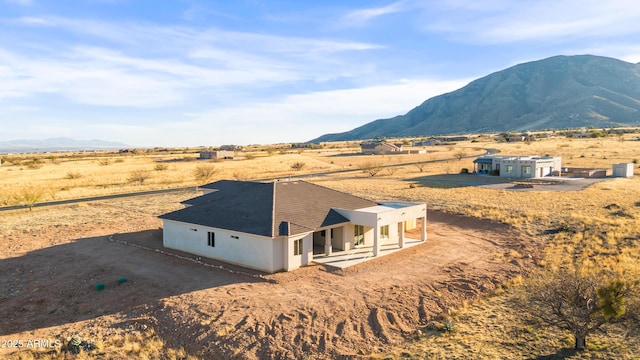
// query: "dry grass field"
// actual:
[[473, 300]]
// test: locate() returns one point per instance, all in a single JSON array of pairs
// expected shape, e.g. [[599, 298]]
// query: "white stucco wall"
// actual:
[[292, 261], [251, 251]]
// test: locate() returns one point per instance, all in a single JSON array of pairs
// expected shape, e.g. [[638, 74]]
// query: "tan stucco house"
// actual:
[[379, 147], [276, 226]]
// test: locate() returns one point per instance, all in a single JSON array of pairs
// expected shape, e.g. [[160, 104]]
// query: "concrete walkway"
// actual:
[[344, 259]]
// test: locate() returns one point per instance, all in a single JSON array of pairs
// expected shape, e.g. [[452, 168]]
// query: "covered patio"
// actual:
[[346, 258], [406, 235]]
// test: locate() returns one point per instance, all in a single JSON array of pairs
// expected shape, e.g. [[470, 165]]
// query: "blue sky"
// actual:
[[195, 72]]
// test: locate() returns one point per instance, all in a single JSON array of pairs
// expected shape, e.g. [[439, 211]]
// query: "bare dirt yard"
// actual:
[[48, 277]]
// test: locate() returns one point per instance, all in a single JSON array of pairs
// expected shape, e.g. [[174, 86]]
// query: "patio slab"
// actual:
[[344, 259]]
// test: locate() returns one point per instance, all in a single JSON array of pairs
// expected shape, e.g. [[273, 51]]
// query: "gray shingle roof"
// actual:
[[266, 208]]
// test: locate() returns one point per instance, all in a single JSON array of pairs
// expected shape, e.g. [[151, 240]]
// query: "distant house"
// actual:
[[379, 147], [454, 138], [427, 142], [219, 154], [282, 225], [231, 147], [518, 166]]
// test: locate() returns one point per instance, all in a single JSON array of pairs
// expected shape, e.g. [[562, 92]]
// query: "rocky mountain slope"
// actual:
[[554, 93]]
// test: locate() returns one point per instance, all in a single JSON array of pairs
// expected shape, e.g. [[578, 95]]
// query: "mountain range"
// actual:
[[57, 144], [553, 93]]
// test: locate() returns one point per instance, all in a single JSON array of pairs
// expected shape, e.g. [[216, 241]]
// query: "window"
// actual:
[[297, 247], [509, 168], [526, 170], [211, 239], [323, 233], [384, 232], [358, 235]]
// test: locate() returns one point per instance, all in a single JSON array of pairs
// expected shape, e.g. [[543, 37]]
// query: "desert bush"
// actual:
[[391, 170], [28, 196], [203, 173], [298, 165], [139, 176], [73, 175], [161, 167], [241, 175], [34, 163], [459, 155], [371, 168], [420, 166], [104, 162]]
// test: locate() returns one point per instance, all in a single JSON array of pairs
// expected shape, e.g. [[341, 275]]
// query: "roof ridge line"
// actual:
[[273, 209], [338, 191]]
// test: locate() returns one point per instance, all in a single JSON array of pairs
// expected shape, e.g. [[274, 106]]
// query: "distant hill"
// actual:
[[57, 144], [554, 93]]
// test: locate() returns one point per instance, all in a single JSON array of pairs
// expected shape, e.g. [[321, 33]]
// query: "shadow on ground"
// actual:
[[560, 354], [59, 284]]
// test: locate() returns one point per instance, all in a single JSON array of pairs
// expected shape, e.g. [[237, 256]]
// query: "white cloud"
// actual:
[[302, 117], [362, 16], [544, 20], [182, 63]]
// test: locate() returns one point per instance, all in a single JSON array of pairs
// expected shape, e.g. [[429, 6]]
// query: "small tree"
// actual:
[[139, 176], [371, 168], [204, 172], [460, 154], [29, 196], [579, 303], [420, 166], [297, 166]]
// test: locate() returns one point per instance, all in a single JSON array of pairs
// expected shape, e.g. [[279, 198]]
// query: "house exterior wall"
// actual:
[[251, 251], [338, 239], [292, 261], [522, 166], [374, 220]]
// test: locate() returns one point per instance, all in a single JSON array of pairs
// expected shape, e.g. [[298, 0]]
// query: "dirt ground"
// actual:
[[49, 276]]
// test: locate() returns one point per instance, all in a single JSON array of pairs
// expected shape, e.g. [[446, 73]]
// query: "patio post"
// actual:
[[327, 242], [401, 233], [423, 235], [376, 240]]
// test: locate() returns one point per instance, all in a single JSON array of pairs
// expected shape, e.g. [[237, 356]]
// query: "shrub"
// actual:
[[73, 175], [139, 176], [371, 168], [161, 167], [297, 166], [464, 171], [204, 172], [29, 196]]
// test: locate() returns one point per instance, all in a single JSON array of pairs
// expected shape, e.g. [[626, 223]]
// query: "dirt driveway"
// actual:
[[500, 183], [48, 290]]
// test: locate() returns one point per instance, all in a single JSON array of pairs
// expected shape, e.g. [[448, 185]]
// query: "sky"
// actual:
[[207, 73]]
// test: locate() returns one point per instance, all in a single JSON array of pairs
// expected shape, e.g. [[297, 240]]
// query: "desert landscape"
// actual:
[[456, 296]]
